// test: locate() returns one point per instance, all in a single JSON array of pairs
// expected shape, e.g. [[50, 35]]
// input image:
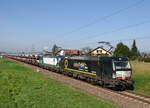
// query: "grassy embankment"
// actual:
[[21, 87], [141, 75]]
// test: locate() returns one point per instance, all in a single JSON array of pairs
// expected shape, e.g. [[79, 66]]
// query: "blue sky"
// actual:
[[42, 23]]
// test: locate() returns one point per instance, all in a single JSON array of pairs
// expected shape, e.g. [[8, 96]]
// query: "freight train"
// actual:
[[108, 72]]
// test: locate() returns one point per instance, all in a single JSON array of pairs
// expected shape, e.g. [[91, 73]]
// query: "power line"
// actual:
[[136, 38], [116, 30], [120, 29], [105, 17], [121, 40]]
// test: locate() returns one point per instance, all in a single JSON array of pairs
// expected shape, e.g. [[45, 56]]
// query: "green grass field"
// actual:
[[21, 87], [141, 75]]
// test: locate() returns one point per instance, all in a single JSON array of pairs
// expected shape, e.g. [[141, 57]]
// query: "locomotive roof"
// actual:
[[84, 58], [115, 58]]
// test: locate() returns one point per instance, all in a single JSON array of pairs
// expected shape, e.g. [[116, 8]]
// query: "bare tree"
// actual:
[[86, 50]]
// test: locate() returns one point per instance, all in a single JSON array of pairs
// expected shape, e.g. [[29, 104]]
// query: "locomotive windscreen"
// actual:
[[122, 65]]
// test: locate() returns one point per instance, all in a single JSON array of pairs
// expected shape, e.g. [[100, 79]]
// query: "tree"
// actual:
[[86, 50], [55, 49], [134, 50], [122, 50]]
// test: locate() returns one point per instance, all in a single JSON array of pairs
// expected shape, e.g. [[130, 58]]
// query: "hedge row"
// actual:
[[144, 59]]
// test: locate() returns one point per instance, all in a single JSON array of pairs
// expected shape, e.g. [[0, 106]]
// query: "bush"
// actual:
[[143, 59], [133, 58], [147, 60]]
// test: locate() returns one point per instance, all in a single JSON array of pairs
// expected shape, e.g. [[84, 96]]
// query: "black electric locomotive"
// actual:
[[110, 72]]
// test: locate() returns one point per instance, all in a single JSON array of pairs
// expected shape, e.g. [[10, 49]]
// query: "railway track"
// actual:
[[137, 96], [124, 99]]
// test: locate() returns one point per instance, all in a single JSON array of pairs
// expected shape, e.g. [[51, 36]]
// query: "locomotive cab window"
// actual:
[[122, 65]]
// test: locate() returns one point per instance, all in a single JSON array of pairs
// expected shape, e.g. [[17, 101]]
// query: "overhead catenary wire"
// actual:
[[104, 18]]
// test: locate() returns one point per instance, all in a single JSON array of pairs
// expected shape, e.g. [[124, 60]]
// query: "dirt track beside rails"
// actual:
[[101, 93]]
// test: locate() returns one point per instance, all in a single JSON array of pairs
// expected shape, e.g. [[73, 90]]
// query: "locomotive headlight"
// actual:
[[129, 73], [123, 74], [114, 75]]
